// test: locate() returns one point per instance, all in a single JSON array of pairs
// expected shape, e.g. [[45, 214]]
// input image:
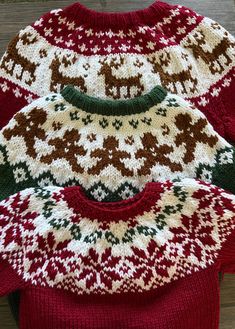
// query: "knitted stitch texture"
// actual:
[[72, 139], [88, 264], [122, 56]]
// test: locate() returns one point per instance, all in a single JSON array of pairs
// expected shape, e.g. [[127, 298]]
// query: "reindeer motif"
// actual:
[[113, 83], [170, 81], [12, 55], [57, 76], [212, 59]]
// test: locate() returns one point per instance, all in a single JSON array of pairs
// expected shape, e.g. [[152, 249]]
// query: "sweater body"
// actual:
[[73, 139], [119, 56], [191, 303], [149, 261]]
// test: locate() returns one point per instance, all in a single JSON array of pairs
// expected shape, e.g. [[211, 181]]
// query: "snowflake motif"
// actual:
[[181, 30], [83, 48], [203, 101], [117, 124], [124, 47], [134, 123], [19, 175], [108, 49], [142, 29], [62, 20], [29, 98], [226, 157], [138, 48], [103, 123], [39, 22], [4, 86], [59, 40], [109, 33], [147, 121], [95, 49], [89, 33], [48, 32], [167, 20], [215, 92], [48, 248], [87, 119], [173, 39], [226, 82], [151, 45], [131, 33], [17, 93], [163, 41], [121, 34], [71, 25], [70, 43], [60, 107], [191, 20], [171, 102], [74, 115], [51, 98], [206, 175], [175, 12], [99, 34]]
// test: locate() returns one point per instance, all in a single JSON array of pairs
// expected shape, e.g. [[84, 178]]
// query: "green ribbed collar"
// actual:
[[114, 107]]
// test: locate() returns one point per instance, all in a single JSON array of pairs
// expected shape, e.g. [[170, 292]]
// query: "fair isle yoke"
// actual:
[[172, 236], [123, 55], [74, 139]]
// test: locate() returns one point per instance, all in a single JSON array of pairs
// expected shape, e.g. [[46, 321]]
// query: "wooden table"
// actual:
[[14, 16]]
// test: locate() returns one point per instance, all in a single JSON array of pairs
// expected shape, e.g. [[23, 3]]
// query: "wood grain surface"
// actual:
[[15, 15]]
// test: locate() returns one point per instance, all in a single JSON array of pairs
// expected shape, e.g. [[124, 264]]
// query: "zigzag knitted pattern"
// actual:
[[72, 139], [171, 236], [126, 55]]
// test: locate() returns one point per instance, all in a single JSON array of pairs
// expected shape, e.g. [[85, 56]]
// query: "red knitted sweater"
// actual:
[[151, 261], [123, 55]]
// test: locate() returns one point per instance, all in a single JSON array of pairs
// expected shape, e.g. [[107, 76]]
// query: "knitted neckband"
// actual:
[[113, 211], [135, 105], [115, 20]]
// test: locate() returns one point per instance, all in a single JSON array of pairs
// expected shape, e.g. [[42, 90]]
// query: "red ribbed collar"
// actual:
[[113, 211], [118, 20]]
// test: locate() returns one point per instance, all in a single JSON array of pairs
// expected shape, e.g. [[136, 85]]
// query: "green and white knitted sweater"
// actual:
[[111, 148]]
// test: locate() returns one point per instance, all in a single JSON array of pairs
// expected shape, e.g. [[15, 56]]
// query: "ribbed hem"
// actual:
[[120, 20], [95, 105]]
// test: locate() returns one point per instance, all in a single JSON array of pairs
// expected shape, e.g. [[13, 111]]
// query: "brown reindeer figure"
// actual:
[[57, 77], [12, 55], [169, 81], [113, 83], [213, 59]]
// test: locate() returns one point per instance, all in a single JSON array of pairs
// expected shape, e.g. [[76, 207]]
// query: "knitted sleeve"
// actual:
[[213, 156], [9, 280], [13, 212], [209, 50], [226, 259], [14, 175], [13, 94]]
